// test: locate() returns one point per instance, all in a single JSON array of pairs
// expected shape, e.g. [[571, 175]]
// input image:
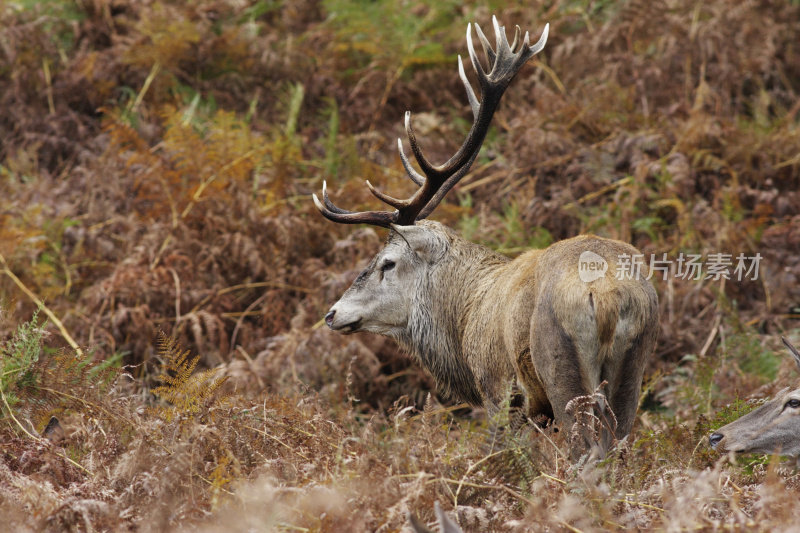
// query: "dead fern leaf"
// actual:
[[188, 393]]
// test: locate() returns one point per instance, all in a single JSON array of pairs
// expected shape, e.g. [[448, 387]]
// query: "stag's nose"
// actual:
[[714, 439], [329, 318]]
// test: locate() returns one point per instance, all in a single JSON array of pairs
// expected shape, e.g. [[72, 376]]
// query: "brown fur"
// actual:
[[579, 334]]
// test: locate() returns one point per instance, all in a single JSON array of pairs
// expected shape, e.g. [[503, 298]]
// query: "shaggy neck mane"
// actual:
[[436, 326]]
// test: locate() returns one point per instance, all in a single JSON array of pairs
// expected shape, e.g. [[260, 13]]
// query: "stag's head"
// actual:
[[380, 298], [772, 428]]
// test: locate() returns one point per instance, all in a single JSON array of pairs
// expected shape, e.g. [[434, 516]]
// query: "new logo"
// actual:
[[591, 266]]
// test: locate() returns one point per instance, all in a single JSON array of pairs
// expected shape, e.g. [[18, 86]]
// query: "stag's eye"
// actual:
[[794, 403], [386, 267]]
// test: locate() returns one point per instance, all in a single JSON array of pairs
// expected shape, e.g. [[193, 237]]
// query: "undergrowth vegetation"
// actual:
[[163, 271]]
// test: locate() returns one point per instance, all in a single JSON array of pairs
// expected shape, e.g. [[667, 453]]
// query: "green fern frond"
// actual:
[[42, 385], [17, 358]]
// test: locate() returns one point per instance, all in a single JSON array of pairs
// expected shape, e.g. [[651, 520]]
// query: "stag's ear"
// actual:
[[792, 349], [429, 245]]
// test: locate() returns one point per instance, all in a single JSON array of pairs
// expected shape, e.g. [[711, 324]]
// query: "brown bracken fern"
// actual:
[[187, 394]]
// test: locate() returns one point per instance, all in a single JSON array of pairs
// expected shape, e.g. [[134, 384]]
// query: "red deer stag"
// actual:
[[772, 428], [474, 318]]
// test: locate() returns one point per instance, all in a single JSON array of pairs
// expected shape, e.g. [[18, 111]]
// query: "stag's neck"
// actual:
[[437, 328]]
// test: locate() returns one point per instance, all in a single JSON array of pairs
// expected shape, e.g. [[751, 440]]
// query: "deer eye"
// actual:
[[794, 403], [387, 266]]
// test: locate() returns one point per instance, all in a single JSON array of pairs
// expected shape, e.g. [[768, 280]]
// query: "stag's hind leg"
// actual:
[[562, 370], [623, 372]]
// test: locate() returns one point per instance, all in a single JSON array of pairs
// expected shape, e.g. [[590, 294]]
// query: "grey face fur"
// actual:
[[772, 428], [381, 298]]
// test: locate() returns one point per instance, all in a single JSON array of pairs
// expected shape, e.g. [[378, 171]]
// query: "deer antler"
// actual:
[[435, 181]]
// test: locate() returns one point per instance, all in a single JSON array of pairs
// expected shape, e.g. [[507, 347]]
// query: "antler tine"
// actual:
[[500, 38], [328, 204], [790, 346], [536, 48], [516, 38], [415, 176], [473, 101], [474, 58], [427, 168], [487, 48], [792, 349], [331, 212], [385, 198]]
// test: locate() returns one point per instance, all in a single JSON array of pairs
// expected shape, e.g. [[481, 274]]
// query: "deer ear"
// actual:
[[429, 245], [792, 349]]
